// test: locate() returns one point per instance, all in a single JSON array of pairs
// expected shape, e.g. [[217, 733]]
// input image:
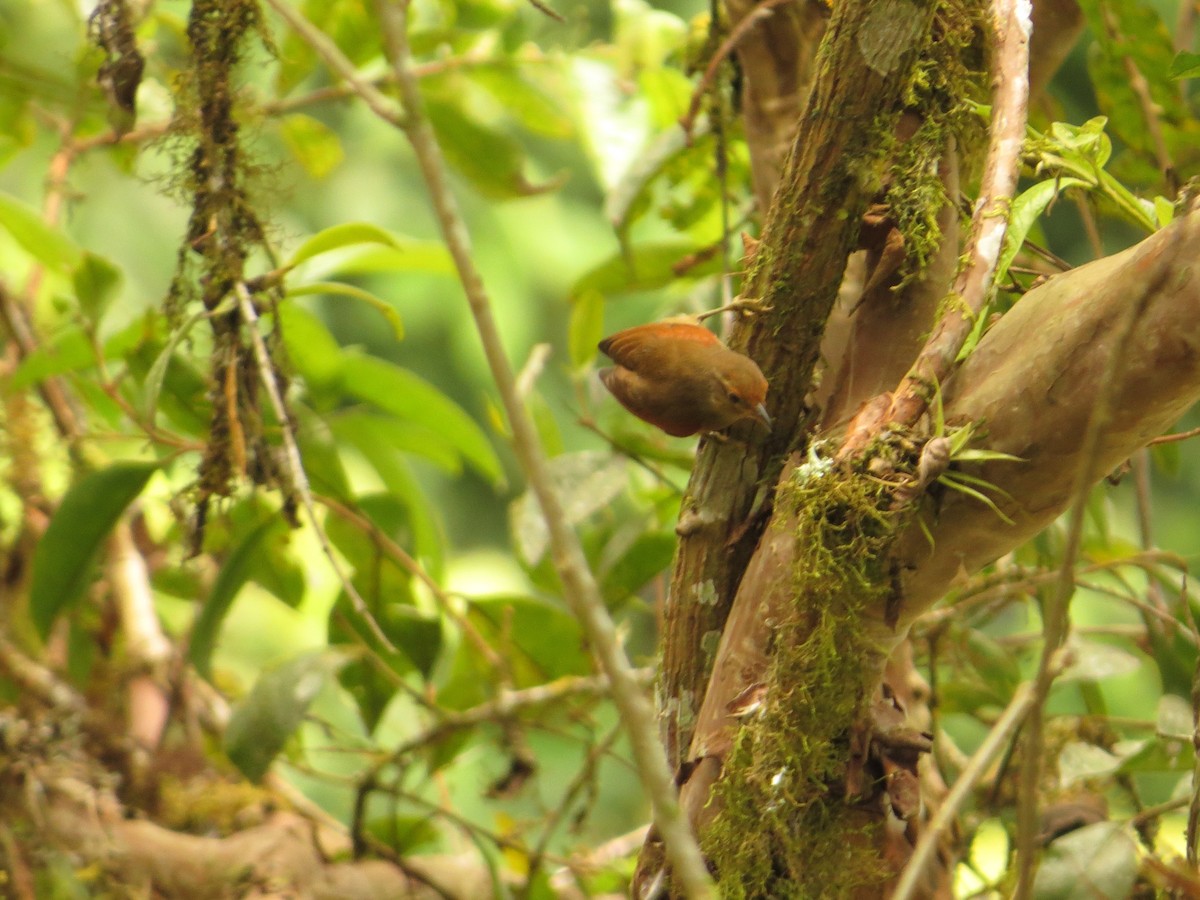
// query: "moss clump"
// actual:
[[786, 827], [949, 75]]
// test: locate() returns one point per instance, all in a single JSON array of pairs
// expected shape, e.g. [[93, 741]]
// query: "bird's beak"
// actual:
[[762, 414]]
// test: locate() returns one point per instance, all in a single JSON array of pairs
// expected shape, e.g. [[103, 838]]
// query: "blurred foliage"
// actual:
[[588, 212]]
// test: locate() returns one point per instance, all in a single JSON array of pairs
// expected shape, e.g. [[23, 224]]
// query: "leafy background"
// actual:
[[588, 212]]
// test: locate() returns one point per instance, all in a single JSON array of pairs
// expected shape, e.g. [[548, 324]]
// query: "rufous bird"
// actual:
[[679, 377]]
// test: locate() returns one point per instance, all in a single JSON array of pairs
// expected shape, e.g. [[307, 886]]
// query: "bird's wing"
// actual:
[[626, 347]]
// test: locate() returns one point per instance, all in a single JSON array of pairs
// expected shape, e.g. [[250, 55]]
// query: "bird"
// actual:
[[679, 377]]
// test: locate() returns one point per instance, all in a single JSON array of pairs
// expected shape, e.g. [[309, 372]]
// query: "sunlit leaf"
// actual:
[[586, 328], [403, 394], [316, 147], [46, 244], [346, 234], [337, 288], [310, 346], [646, 266]]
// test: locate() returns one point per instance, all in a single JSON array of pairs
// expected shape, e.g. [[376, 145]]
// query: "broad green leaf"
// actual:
[[265, 718], [316, 147], [586, 328], [369, 432], [47, 245], [182, 390], [311, 348], [631, 196], [646, 266], [1026, 209], [382, 441], [586, 483], [230, 579], [338, 288], [71, 351], [1096, 862], [541, 641], [1185, 65], [491, 160], [96, 281], [650, 555], [347, 234], [406, 256], [410, 398], [62, 562], [320, 457], [526, 99]]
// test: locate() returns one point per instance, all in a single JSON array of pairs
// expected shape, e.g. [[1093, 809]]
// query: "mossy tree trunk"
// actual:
[[797, 579]]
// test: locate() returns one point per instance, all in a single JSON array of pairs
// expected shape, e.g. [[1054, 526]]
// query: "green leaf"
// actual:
[[1096, 862], [230, 579], [316, 147], [492, 161], [1093, 661], [1026, 209], [542, 642], [347, 234], [47, 245], [1185, 65], [319, 453], [1080, 761], [153, 382], [585, 328], [338, 288], [374, 435], [96, 281], [1174, 718], [409, 398], [644, 267], [526, 99], [62, 562], [263, 721], [649, 556], [312, 349], [71, 351], [586, 483]]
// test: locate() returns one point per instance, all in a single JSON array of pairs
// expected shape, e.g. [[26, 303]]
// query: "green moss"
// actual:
[[786, 828], [949, 75]]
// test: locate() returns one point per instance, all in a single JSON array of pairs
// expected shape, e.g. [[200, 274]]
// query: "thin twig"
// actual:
[[998, 738], [379, 104], [1171, 438], [583, 778], [579, 585], [405, 561], [739, 32], [295, 464]]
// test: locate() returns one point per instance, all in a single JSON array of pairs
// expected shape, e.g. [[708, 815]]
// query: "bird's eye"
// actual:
[[734, 398]]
